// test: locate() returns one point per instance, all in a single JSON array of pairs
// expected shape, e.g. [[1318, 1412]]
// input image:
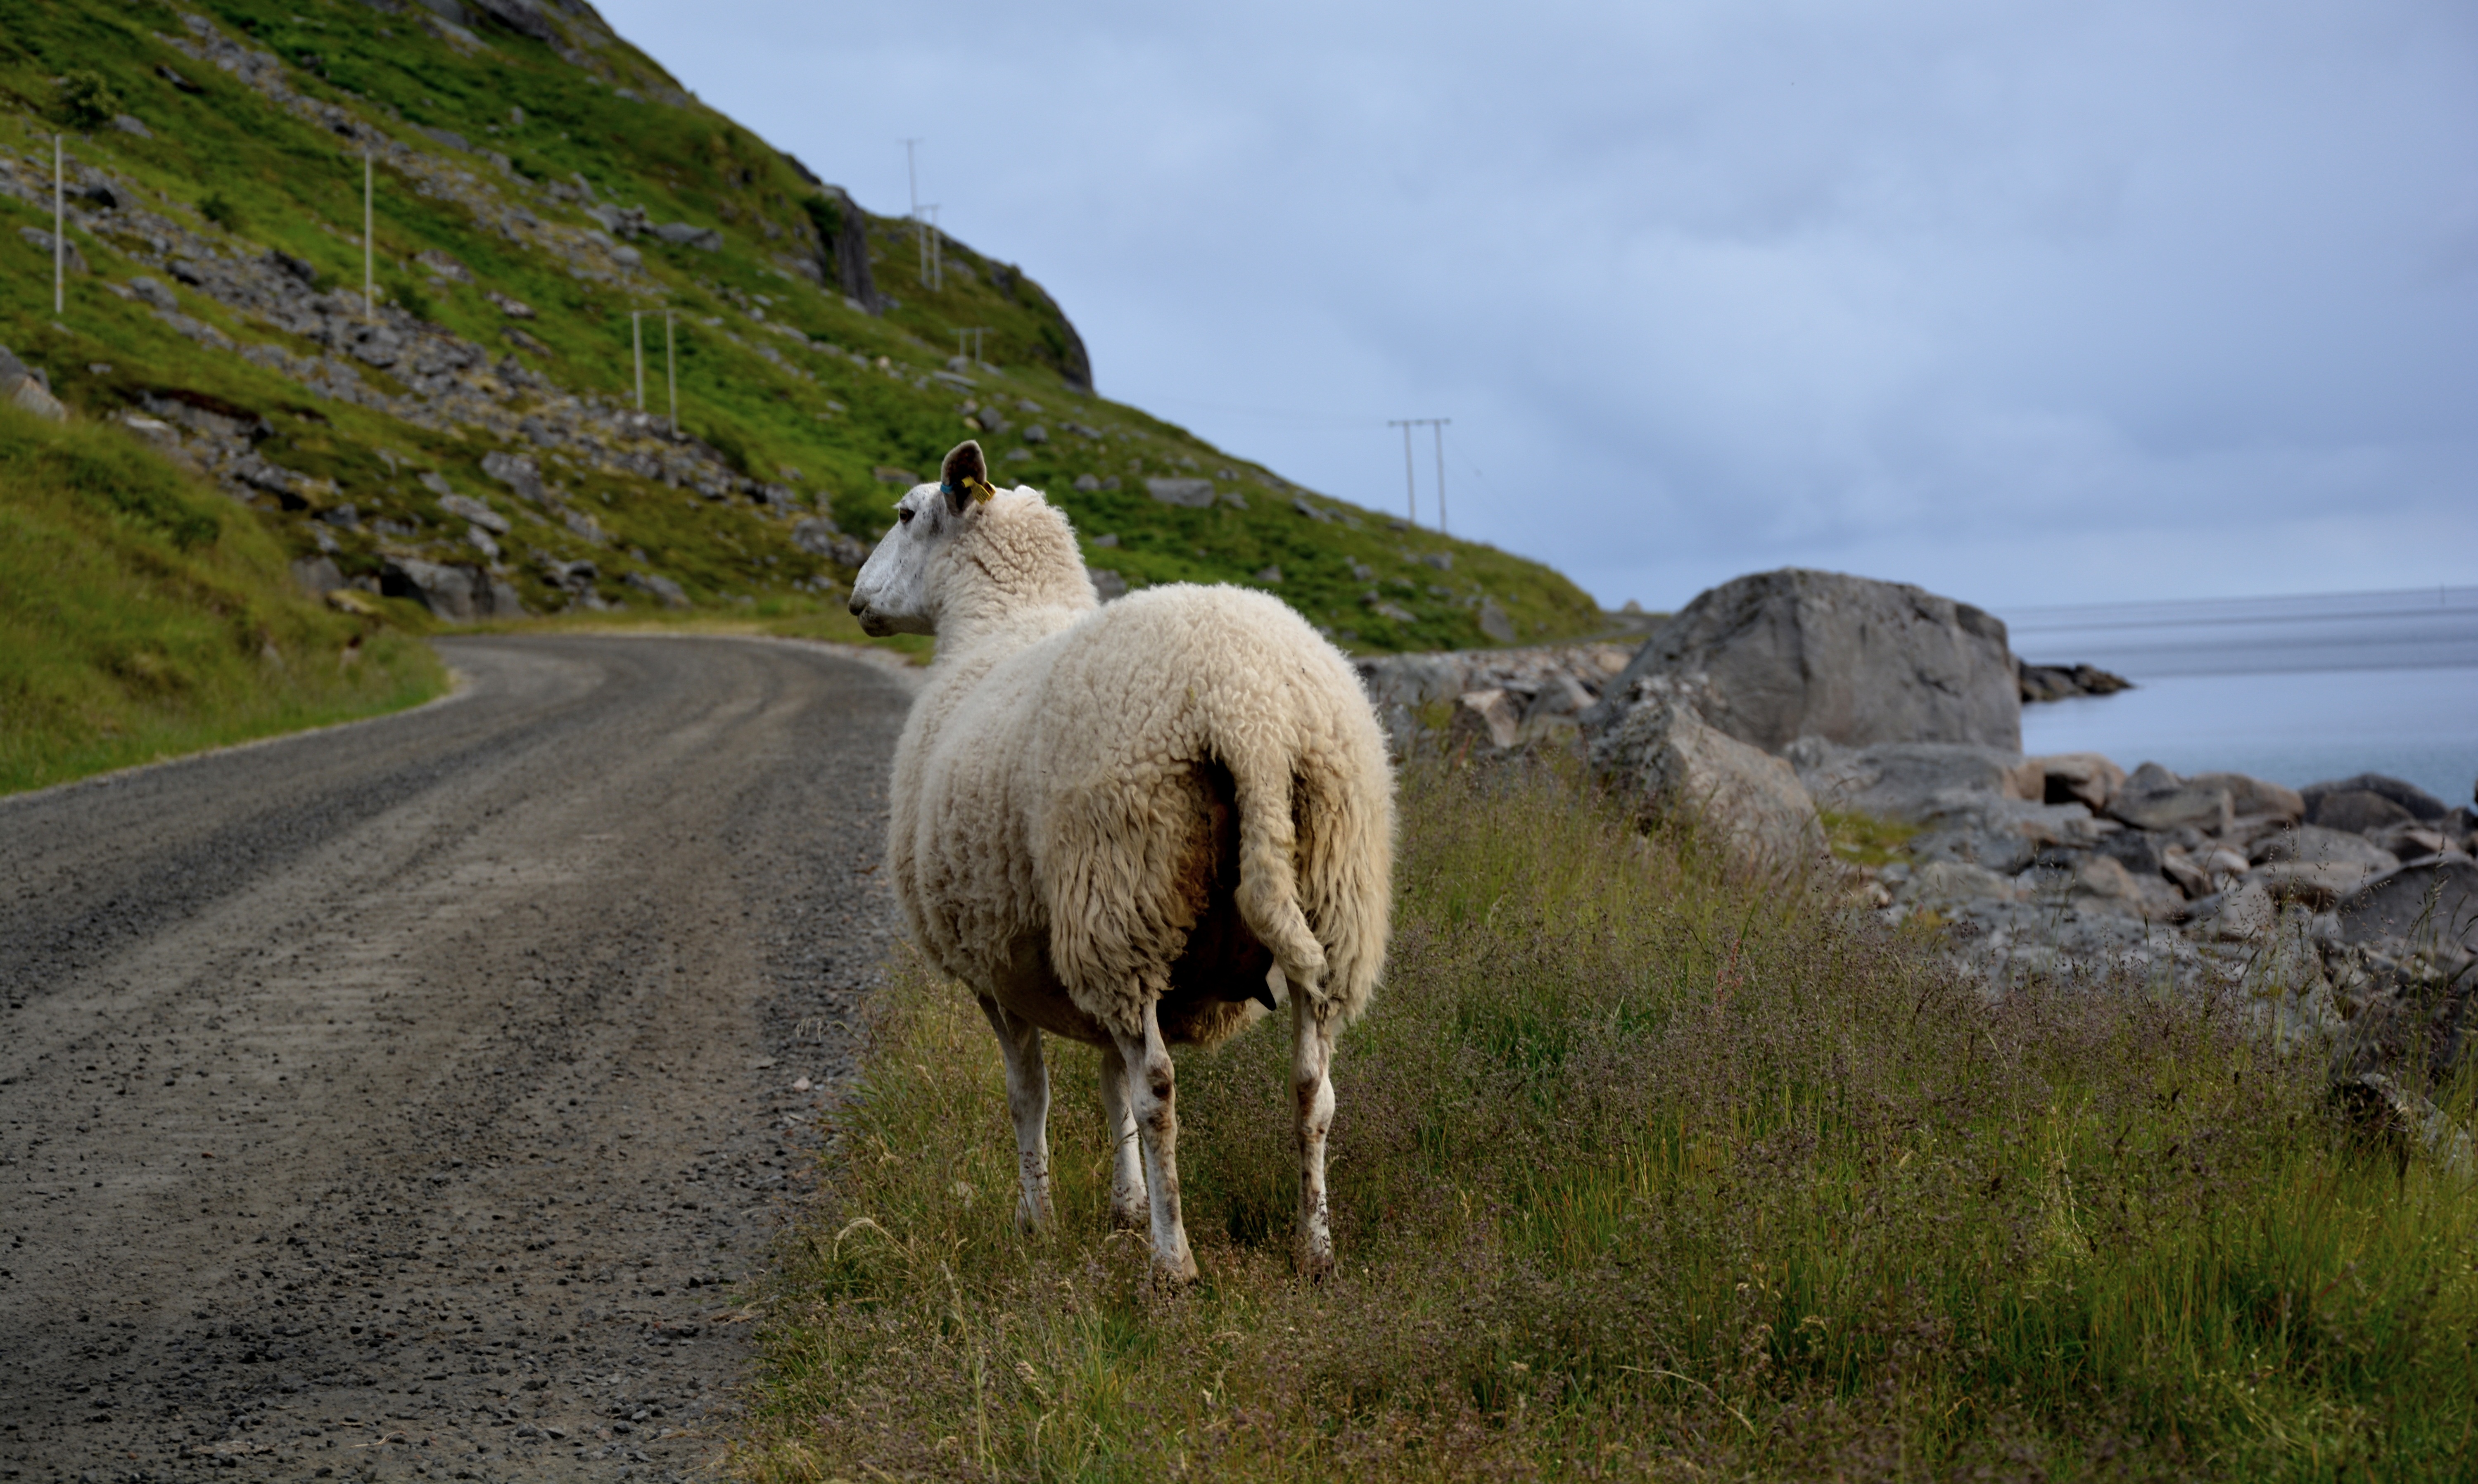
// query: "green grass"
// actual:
[[249, 176], [143, 615], [1641, 1171]]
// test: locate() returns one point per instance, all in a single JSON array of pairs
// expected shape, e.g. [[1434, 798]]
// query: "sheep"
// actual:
[[1132, 826]]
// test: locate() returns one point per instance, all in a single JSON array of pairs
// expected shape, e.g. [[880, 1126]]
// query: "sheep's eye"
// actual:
[[903, 514]]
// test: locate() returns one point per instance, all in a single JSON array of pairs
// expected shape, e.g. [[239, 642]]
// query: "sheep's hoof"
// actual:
[[1316, 1264], [1033, 1219], [1172, 1273], [1131, 1218]]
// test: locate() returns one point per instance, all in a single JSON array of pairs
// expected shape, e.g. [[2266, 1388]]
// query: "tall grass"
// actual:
[[142, 614], [1642, 1169]]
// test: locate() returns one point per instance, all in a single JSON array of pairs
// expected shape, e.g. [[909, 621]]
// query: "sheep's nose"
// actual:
[[857, 606]]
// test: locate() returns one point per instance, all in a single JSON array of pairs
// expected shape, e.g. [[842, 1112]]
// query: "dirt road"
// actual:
[[405, 1098]]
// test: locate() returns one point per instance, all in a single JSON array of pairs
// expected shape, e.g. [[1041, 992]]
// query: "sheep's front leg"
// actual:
[[1312, 1084], [1129, 1204], [1028, 1099], [1151, 1087]]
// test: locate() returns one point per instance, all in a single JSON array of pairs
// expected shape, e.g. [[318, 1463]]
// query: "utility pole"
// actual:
[[637, 347], [369, 252], [937, 247], [671, 373], [912, 181], [59, 235], [1407, 425]]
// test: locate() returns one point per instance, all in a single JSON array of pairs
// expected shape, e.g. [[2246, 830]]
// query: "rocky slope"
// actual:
[[548, 203]]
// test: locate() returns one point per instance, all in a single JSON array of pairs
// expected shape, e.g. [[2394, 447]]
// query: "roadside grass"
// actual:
[[144, 615], [1640, 1169]]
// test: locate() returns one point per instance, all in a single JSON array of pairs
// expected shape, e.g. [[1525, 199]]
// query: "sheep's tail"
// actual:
[[1316, 836], [1268, 892]]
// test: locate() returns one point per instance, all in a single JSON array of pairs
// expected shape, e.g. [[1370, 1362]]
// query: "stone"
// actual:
[[72, 260], [672, 594], [1442, 561], [2085, 778], [1958, 881], [2426, 905], [2414, 800], [2154, 798], [1270, 575], [2315, 884], [2253, 798], [457, 594], [819, 537], [317, 576], [2362, 810], [2058, 682], [1409, 679], [1490, 714], [130, 123], [1108, 585], [1315, 512], [584, 526], [2315, 844], [680, 234], [153, 294], [475, 511], [518, 473], [22, 388], [1186, 494], [1494, 622], [1088, 484], [2410, 840], [1035, 433], [1909, 782], [1674, 764], [513, 308], [1796, 653], [2002, 833]]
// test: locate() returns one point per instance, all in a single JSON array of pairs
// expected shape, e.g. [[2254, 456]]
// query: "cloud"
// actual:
[[2032, 303]]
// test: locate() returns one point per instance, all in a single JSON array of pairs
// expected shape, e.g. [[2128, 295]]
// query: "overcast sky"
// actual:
[[2026, 303]]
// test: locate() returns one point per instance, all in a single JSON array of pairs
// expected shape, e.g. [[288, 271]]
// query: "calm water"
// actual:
[[2294, 690]]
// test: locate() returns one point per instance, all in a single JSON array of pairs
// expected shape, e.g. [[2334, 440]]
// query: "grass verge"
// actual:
[[144, 615], [1640, 1169]]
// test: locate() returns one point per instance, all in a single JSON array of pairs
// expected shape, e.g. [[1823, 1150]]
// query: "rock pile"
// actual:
[[2345, 913]]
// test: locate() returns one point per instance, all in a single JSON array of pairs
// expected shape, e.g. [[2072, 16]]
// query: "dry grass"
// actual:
[[1641, 1170]]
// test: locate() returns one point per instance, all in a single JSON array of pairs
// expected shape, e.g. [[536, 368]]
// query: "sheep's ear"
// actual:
[[965, 476]]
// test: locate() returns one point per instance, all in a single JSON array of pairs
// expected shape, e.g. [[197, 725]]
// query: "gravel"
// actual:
[[416, 1097]]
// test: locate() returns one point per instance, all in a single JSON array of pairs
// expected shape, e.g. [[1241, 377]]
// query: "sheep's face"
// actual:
[[892, 594]]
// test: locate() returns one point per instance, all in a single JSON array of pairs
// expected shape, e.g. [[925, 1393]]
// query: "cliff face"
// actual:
[[567, 246]]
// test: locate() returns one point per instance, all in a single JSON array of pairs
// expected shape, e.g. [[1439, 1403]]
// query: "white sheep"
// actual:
[[1131, 825]]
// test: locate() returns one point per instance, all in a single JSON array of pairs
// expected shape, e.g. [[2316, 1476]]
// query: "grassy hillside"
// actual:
[[142, 614], [1641, 1171], [217, 153]]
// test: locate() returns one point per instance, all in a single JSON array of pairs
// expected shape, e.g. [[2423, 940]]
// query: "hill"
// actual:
[[546, 200]]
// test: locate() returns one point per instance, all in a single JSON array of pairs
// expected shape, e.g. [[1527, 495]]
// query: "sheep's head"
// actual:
[[893, 593]]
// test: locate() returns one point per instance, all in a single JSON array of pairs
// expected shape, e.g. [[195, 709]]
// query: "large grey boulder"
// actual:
[[1748, 802], [2412, 801], [458, 593], [2429, 905], [1190, 494], [1781, 655], [1910, 782], [2154, 798]]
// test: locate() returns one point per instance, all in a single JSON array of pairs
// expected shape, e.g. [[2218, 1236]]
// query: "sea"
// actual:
[[2295, 690]]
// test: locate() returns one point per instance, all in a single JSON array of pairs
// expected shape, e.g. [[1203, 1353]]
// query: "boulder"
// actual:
[[1906, 781], [475, 511], [2085, 778], [2362, 810], [2253, 798], [2414, 800], [1797, 653], [2002, 833], [2099, 881], [1494, 622], [520, 474], [681, 234], [458, 593], [1187, 493], [821, 536], [2314, 884], [2316, 846], [1958, 881], [1749, 803], [1488, 715], [22, 388], [2425, 905], [1108, 585], [317, 576], [2154, 798], [669, 592]]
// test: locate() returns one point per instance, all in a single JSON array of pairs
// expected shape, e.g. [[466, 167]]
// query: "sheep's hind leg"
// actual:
[[1128, 1205], [1151, 1088], [1312, 1084], [1028, 1099]]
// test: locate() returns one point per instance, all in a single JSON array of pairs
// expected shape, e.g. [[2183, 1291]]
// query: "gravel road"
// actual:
[[405, 1098]]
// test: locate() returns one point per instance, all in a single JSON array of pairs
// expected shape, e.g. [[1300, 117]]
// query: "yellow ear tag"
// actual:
[[979, 489]]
